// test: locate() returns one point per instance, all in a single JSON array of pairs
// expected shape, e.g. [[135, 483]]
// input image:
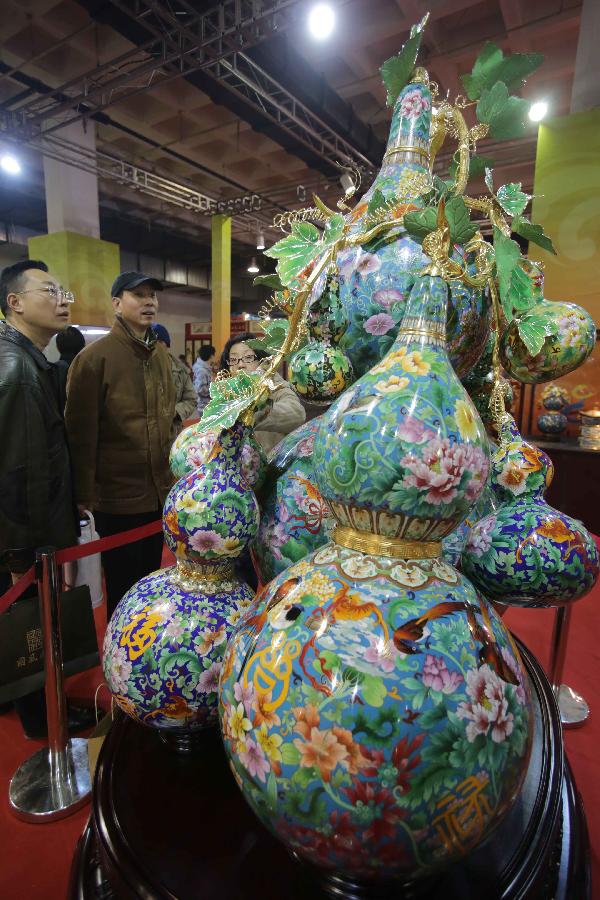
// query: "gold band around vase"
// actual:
[[396, 548], [402, 148]]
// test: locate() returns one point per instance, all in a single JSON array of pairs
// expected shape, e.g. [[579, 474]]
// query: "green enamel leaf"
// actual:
[[459, 220], [397, 70], [333, 229], [512, 199], [296, 250], [534, 233], [508, 255], [421, 222], [271, 281], [229, 398], [521, 290], [532, 333], [290, 754], [376, 202], [491, 66], [489, 180], [505, 115], [373, 690]]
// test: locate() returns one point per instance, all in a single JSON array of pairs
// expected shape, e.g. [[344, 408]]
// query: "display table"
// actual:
[[175, 826]]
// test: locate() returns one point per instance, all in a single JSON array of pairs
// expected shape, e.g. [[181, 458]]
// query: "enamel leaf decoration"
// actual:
[[491, 66], [512, 199], [299, 249], [397, 70], [230, 397], [533, 233], [505, 115]]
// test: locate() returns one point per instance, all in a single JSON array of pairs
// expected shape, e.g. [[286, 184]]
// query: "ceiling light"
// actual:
[[321, 21], [260, 240], [538, 111], [253, 268], [346, 181], [10, 164]]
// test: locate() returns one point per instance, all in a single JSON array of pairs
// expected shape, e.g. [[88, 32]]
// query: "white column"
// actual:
[[71, 194]]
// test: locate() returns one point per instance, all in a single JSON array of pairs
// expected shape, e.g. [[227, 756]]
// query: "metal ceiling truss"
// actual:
[[172, 53]]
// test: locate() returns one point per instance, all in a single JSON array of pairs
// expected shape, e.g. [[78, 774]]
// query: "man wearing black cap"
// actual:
[[119, 416]]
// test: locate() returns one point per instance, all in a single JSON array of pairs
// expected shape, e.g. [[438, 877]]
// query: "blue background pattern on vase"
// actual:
[[350, 705]]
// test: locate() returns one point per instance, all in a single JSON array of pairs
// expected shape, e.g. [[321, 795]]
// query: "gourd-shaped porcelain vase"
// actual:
[[193, 446], [571, 336], [373, 706], [526, 553], [376, 278], [320, 371], [164, 644]]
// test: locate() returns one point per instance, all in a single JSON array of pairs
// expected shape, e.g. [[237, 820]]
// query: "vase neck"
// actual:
[[227, 449], [424, 320]]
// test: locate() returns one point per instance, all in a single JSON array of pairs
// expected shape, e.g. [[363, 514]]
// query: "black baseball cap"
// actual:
[[128, 281]]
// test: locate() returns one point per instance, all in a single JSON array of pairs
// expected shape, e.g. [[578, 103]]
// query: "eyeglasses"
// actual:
[[59, 294], [235, 361]]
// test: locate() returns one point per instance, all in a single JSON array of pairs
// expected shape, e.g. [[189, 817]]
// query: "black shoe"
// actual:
[[78, 719]]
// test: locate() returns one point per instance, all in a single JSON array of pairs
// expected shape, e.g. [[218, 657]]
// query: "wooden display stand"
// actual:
[[176, 827]]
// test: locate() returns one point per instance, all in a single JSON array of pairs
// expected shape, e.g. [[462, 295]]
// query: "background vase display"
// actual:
[[165, 641], [553, 421], [320, 371], [376, 278], [526, 553], [350, 691]]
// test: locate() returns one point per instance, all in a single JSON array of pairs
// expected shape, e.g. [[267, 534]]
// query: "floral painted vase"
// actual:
[[193, 447], [164, 644], [526, 553], [403, 452], [295, 520], [570, 338], [369, 705], [376, 278], [371, 699], [552, 423]]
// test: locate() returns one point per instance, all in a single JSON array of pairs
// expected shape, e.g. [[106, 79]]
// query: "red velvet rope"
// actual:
[[79, 552]]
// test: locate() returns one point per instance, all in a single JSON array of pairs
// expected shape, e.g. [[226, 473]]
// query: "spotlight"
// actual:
[[321, 21], [253, 268], [10, 164], [346, 181], [260, 240], [538, 111]]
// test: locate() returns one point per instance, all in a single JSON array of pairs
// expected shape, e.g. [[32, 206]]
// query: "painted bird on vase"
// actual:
[[254, 624]]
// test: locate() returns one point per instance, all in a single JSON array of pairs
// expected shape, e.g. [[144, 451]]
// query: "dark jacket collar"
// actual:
[[123, 332], [16, 337]]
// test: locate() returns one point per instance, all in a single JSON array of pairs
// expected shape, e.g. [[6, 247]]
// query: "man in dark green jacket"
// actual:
[[36, 497], [119, 415]]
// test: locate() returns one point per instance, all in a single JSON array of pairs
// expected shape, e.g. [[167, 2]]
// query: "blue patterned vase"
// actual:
[[526, 553], [164, 644], [376, 278], [192, 448], [370, 698]]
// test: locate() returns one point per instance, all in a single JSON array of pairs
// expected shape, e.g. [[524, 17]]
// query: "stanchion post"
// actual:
[[55, 781], [573, 708]]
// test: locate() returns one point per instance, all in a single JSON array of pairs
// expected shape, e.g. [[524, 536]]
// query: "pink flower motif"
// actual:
[[441, 467], [387, 297], [381, 653], [203, 541], [380, 323], [413, 104], [438, 677], [208, 683], [253, 759], [367, 263], [414, 431], [347, 262], [480, 536], [487, 713], [174, 630], [305, 446], [244, 695]]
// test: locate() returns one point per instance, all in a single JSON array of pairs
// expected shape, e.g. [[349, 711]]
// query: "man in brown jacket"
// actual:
[[119, 416]]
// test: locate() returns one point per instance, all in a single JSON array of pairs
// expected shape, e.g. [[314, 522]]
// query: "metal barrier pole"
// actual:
[[55, 781], [573, 708]]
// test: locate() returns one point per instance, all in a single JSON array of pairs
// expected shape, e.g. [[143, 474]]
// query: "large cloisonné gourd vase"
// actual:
[[294, 518], [570, 337], [525, 552], [193, 446], [374, 708], [164, 644], [376, 277]]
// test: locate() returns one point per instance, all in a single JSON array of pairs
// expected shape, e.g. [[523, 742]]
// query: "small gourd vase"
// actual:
[[164, 644], [351, 691], [295, 520], [320, 371], [571, 337], [376, 277], [553, 421], [526, 553], [193, 446]]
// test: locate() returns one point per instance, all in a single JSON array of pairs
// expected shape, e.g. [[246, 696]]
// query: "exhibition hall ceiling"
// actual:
[[206, 128]]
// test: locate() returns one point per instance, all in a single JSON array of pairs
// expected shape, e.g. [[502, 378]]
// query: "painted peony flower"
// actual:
[[413, 104], [513, 477], [203, 541], [480, 536], [381, 653], [174, 630], [415, 364], [119, 670], [379, 324], [392, 385], [438, 677], [413, 431], [487, 712]]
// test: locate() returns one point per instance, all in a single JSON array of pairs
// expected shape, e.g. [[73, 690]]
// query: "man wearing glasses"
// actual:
[[119, 414], [36, 496]]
